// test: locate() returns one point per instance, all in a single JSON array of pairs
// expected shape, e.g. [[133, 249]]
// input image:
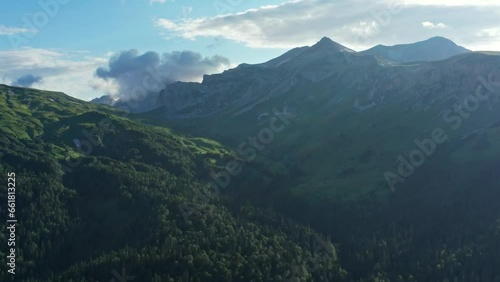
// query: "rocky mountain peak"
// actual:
[[327, 44]]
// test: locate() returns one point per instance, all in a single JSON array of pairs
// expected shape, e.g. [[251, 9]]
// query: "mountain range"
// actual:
[[343, 100], [323, 164], [434, 49], [177, 97]]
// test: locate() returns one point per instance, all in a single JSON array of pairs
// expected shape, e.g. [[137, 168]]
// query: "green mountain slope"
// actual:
[[351, 128], [99, 195], [398, 162]]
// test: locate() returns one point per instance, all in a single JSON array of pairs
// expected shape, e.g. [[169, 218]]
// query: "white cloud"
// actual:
[[431, 25], [68, 72], [292, 23], [358, 24], [489, 32], [75, 73], [4, 30], [364, 28], [167, 24], [138, 74]]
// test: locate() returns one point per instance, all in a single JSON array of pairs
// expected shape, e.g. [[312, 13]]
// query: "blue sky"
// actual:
[[112, 25], [59, 44]]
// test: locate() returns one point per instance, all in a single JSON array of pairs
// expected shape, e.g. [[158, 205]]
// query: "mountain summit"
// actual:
[[433, 49], [308, 64], [229, 91], [327, 44]]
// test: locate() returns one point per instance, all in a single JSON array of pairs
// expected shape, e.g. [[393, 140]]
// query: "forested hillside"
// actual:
[[397, 162], [103, 195], [100, 196]]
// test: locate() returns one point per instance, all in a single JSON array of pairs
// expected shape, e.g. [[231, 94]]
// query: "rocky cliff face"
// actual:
[[239, 89], [373, 78], [353, 114]]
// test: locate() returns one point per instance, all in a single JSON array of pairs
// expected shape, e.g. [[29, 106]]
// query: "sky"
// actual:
[[90, 48]]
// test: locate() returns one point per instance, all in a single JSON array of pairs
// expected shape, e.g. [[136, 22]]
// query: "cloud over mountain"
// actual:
[[27, 80], [137, 74], [71, 72]]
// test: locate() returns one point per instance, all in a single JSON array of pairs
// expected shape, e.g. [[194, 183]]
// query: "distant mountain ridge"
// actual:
[[238, 90], [396, 161], [256, 83], [433, 49], [342, 100]]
